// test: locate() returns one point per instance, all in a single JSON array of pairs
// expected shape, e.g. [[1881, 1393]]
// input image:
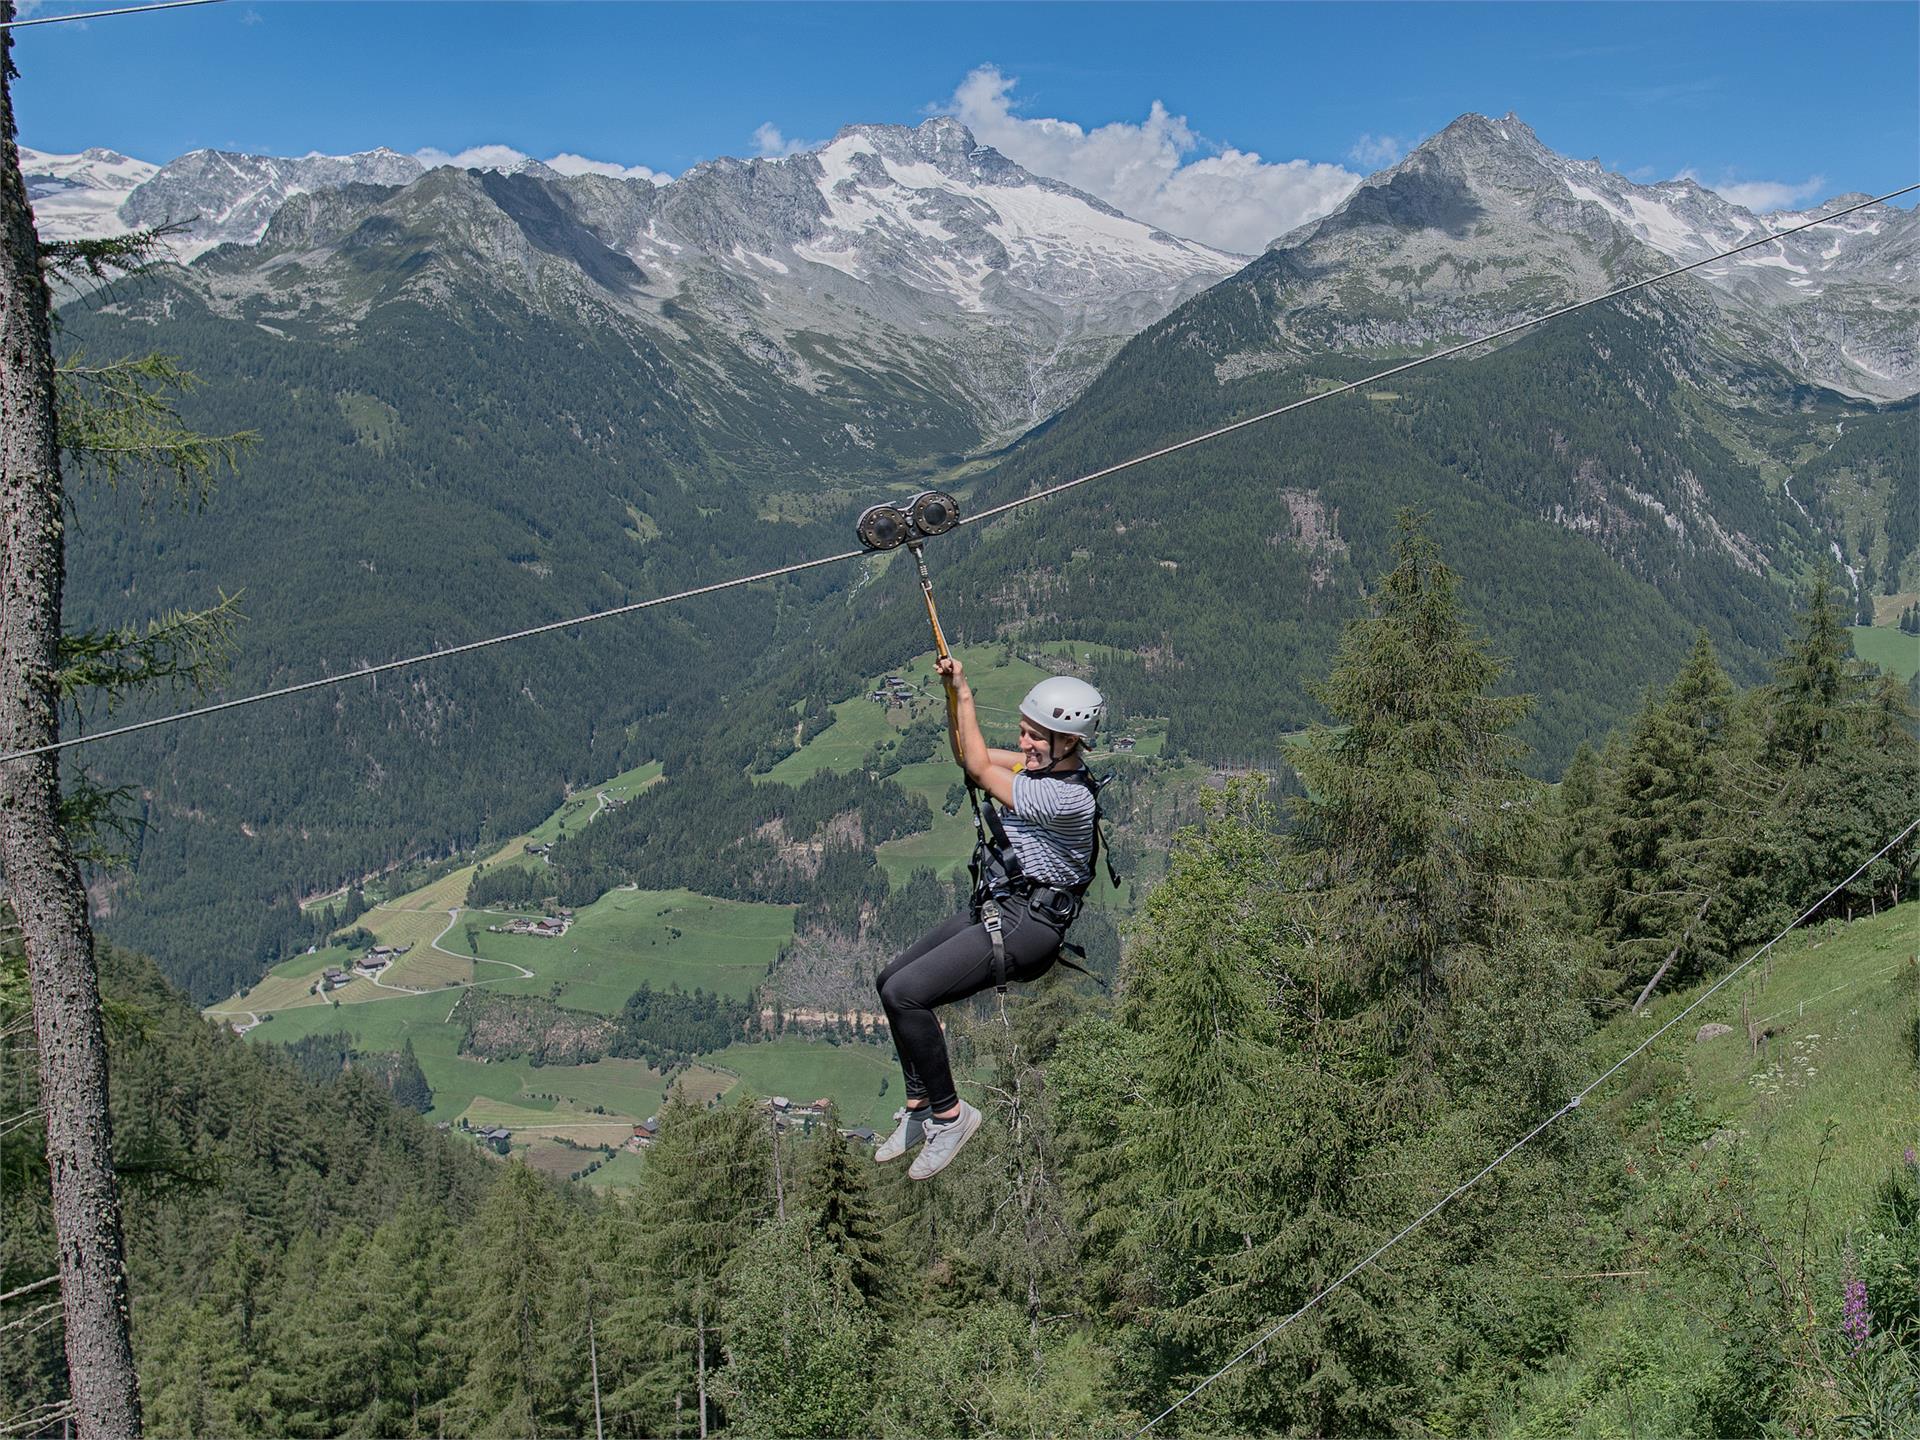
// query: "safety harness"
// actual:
[[998, 876]]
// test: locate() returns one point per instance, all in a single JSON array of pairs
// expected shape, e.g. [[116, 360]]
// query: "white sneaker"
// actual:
[[911, 1130], [944, 1139]]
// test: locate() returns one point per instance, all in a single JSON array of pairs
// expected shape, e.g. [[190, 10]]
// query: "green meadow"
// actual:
[[851, 1075], [1896, 653], [998, 682], [1816, 1115], [580, 807], [626, 937], [1837, 1007]]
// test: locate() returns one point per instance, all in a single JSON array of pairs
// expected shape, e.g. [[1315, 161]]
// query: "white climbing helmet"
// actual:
[[1064, 704]]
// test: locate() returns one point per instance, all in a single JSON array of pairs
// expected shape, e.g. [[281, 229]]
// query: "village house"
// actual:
[[547, 927], [495, 1139], [644, 1133]]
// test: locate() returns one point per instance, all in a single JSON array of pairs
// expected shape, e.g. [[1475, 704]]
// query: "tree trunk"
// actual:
[[700, 1326], [1672, 955], [41, 873]]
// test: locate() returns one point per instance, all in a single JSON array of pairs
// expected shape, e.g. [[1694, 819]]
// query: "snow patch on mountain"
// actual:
[[78, 197], [935, 210]]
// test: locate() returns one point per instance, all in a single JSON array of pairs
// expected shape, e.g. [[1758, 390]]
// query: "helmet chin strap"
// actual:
[[1054, 737]]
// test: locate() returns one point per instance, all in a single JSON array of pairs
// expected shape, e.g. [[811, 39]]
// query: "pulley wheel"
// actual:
[[882, 527], [934, 513]]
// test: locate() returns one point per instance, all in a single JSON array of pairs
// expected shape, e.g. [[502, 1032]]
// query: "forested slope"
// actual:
[[431, 483], [1332, 1017], [448, 467], [229, 1159]]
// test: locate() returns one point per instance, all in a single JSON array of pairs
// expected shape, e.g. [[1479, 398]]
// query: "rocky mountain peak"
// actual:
[[1482, 224]]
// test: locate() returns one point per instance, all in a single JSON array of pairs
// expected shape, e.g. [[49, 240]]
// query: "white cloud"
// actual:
[[505, 157], [1233, 199], [770, 144], [476, 157], [1761, 196], [568, 164], [1377, 151]]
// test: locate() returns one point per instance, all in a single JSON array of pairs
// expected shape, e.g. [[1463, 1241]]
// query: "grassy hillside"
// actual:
[[1739, 1167]]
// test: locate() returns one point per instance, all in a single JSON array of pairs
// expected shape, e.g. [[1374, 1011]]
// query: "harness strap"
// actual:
[[990, 917]]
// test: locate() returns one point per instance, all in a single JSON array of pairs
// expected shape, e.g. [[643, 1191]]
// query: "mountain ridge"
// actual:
[[491, 399]]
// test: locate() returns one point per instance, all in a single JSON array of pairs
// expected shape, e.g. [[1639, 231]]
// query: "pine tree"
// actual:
[[214, 1349], [410, 1089], [1417, 813], [800, 1338], [502, 1298], [833, 1189], [1664, 847], [707, 1183], [1812, 681]]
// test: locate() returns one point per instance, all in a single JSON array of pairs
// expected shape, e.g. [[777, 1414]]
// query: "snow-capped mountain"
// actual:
[[1483, 225], [1835, 303], [915, 246], [930, 295], [78, 197]]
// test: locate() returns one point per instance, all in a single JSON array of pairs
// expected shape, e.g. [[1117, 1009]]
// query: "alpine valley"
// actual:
[[1473, 732], [488, 399]]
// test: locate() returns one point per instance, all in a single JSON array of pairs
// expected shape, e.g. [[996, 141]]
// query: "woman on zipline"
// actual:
[[1037, 865]]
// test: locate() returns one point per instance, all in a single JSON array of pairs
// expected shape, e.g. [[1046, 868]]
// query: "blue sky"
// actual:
[[1810, 100]]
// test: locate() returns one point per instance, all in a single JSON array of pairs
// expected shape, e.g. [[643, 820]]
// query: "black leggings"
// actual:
[[950, 962]]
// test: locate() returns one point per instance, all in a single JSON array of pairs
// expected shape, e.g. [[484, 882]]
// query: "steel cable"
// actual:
[[103, 14]]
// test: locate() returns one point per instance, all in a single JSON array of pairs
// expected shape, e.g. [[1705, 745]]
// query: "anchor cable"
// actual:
[[102, 14], [1029, 499]]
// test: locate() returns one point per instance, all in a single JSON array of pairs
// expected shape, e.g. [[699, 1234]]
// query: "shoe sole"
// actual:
[[973, 1124]]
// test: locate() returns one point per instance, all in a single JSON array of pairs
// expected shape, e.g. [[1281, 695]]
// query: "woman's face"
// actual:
[[1037, 745]]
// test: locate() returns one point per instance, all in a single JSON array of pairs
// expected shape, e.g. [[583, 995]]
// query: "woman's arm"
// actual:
[[975, 758]]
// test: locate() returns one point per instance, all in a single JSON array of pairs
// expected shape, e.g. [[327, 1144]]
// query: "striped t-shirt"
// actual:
[[1051, 829]]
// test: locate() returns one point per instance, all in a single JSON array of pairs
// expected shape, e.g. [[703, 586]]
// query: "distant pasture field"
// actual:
[[849, 1074], [998, 683], [1886, 646], [579, 809], [626, 937]]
